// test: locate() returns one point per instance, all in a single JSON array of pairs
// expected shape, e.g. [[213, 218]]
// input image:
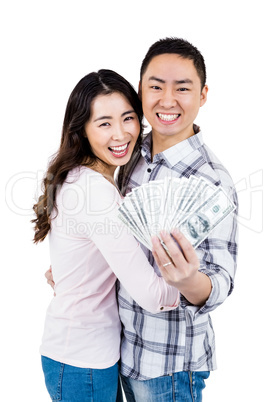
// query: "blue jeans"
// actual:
[[69, 383], [184, 386]]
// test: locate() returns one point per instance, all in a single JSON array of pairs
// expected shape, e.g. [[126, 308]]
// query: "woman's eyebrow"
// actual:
[[110, 117], [102, 118], [127, 112]]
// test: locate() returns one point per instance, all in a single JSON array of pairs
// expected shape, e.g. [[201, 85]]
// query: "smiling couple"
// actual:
[[167, 340]]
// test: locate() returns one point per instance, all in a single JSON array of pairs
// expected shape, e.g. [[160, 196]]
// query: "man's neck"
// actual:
[[162, 142]]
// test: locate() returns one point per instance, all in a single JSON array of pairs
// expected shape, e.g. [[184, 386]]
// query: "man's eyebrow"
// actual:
[[153, 78], [184, 81]]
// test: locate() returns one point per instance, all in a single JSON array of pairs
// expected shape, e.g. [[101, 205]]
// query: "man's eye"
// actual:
[[182, 89]]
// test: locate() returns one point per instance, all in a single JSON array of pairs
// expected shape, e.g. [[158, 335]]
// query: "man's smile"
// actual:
[[167, 117]]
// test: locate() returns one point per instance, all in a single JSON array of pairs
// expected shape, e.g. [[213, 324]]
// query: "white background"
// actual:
[[46, 47]]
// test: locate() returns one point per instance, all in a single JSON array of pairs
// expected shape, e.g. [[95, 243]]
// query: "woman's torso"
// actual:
[[82, 326]]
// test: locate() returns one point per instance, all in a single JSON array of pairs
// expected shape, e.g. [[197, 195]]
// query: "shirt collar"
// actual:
[[170, 155]]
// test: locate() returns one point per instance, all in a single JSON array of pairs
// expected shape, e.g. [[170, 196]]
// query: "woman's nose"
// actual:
[[119, 133]]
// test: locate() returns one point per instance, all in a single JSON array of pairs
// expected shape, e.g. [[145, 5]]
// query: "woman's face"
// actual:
[[112, 130]]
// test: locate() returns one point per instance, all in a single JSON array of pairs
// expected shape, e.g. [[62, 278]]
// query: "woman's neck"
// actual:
[[106, 171]]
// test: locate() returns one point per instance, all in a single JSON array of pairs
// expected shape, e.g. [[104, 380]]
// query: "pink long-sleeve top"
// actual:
[[90, 248]]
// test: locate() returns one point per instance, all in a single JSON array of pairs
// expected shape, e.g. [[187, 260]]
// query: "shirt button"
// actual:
[[149, 170], [161, 308]]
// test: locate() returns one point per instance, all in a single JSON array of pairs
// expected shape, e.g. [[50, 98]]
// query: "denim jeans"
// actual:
[[184, 386], [69, 383]]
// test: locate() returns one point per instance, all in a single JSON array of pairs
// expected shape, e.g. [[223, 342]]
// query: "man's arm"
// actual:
[[216, 256]]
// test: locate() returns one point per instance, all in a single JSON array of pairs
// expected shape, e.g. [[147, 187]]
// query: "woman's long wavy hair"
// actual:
[[75, 149]]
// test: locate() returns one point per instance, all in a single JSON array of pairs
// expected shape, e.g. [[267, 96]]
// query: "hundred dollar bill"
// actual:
[[199, 194], [136, 203], [153, 205], [193, 205], [174, 189], [203, 219], [184, 191], [131, 221]]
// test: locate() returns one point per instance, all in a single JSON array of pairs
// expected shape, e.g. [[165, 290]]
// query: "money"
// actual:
[[193, 205], [200, 222]]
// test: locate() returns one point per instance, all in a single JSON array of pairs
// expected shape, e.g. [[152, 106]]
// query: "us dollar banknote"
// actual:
[[194, 205]]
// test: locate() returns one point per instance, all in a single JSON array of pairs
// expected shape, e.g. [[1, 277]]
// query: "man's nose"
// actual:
[[167, 99]]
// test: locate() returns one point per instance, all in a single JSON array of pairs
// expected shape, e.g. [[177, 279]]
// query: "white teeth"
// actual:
[[118, 149], [168, 117]]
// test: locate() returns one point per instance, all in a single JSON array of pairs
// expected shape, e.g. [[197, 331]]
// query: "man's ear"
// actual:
[[139, 90], [203, 96]]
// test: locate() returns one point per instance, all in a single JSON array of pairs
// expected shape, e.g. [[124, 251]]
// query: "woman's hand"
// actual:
[[49, 278], [181, 268]]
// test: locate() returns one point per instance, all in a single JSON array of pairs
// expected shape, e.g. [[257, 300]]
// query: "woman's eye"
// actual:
[[129, 118], [105, 124], [155, 87]]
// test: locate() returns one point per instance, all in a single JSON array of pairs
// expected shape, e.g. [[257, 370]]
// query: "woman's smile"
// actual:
[[120, 150]]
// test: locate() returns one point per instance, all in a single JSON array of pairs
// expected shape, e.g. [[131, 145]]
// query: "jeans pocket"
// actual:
[[53, 372], [197, 383]]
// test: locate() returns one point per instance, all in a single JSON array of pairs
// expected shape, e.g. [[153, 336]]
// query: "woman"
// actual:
[[90, 248]]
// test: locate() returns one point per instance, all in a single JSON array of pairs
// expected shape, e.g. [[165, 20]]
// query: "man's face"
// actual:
[[171, 96]]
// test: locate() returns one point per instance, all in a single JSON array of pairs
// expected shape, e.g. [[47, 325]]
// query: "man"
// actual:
[[167, 357]]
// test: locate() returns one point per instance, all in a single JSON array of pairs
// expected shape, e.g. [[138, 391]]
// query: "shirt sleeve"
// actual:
[[123, 253], [218, 259]]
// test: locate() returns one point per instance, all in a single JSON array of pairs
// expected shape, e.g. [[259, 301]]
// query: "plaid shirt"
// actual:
[[181, 339]]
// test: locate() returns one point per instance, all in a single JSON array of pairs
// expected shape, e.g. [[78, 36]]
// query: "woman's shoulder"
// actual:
[[82, 175], [83, 182]]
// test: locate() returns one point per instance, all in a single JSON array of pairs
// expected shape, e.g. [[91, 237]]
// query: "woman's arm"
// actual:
[[183, 272], [125, 257]]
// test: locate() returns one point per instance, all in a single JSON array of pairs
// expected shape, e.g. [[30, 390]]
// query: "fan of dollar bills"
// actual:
[[193, 205]]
